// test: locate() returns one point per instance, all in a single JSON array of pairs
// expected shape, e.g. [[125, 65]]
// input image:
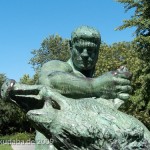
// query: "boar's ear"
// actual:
[[55, 105], [51, 102]]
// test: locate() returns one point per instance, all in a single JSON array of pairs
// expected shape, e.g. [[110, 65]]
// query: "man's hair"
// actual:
[[86, 33]]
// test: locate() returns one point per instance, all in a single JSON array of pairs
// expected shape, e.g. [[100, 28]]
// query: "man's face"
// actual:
[[84, 55]]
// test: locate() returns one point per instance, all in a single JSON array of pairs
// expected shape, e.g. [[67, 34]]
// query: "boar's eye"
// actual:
[[55, 105]]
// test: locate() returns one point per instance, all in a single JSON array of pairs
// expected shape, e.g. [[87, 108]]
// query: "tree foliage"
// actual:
[[116, 55], [141, 21], [53, 47], [26, 79], [12, 119]]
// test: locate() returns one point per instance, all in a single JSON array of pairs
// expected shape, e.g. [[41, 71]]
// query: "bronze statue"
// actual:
[[75, 110]]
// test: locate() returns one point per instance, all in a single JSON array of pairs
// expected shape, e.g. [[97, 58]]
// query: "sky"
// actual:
[[24, 24]]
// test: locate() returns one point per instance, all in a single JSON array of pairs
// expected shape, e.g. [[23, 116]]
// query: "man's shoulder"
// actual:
[[57, 65], [54, 62]]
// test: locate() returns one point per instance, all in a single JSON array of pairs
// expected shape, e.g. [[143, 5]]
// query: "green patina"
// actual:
[[73, 110]]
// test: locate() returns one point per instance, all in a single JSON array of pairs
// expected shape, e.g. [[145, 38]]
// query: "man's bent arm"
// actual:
[[59, 76], [68, 84]]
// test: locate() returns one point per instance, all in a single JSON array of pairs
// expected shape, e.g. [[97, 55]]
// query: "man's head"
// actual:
[[85, 42]]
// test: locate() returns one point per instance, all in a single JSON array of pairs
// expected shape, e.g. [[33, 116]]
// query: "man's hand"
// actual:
[[6, 88], [114, 84]]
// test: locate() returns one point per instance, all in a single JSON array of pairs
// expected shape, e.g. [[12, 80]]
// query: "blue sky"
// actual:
[[25, 23]]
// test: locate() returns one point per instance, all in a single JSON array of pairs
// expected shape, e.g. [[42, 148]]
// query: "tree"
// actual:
[[53, 47], [27, 80], [116, 55], [141, 21], [12, 119]]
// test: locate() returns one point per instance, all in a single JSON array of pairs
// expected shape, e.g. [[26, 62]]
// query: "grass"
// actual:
[[5, 147], [17, 137], [6, 140]]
